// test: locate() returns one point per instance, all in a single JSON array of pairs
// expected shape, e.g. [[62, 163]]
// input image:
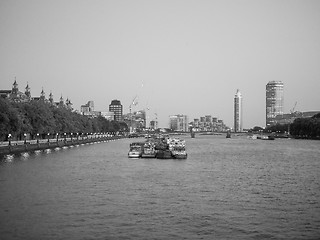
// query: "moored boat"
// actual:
[[161, 148], [135, 150], [178, 148], [179, 153], [148, 150]]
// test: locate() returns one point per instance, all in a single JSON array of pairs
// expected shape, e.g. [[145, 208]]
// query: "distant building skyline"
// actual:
[[238, 112], [136, 120], [208, 123], [274, 101], [274, 107], [89, 111], [191, 61]]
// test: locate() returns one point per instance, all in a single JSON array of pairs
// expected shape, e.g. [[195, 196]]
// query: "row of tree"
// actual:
[[308, 128], [39, 117]]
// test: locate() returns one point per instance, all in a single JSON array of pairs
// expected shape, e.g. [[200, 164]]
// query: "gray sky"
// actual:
[[179, 57]]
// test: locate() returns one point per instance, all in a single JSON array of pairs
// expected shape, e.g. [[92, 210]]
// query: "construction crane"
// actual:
[[134, 103], [294, 113], [294, 107]]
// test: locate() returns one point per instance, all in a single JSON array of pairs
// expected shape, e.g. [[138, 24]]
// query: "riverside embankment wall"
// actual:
[[29, 147]]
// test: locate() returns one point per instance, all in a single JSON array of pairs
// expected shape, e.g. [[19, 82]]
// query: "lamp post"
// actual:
[[57, 134], [65, 137], [48, 137], [9, 138], [37, 138], [25, 138]]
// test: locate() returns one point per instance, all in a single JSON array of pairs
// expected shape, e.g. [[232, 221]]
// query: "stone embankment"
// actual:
[[29, 146]]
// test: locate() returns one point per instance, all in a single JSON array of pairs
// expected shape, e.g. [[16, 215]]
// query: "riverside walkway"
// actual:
[[13, 147]]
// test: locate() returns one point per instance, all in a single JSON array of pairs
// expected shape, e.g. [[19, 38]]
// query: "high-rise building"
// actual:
[[116, 108], [274, 101], [238, 112], [179, 123]]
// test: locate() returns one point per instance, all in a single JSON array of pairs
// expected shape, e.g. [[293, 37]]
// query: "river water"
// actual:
[[227, 189]]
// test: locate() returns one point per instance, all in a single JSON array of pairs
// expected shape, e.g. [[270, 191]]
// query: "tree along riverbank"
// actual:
[[40, 119], [300, 128]]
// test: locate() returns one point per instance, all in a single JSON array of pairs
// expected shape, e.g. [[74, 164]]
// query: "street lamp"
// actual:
[[25, 138], [38, 138], [9, 138]]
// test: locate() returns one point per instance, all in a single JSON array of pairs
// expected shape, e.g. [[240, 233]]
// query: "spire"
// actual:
[[51, 97], [42, 95], [15, 86], [27, 92], [61, 104], [69, 104]]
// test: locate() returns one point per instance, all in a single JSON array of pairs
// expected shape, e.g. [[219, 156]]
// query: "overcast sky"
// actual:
[[179, 57]]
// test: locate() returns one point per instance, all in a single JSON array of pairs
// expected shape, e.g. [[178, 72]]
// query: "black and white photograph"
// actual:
[[159, 119]]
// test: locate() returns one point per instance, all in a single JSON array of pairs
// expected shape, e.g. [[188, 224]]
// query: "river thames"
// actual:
[[234, 188]]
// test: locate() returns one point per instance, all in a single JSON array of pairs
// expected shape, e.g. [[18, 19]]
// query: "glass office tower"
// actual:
[[274, 101]]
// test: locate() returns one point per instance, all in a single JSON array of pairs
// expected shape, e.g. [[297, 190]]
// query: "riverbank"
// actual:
[[40, 145]]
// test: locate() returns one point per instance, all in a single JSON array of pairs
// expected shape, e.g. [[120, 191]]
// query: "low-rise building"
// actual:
[[290, 117]]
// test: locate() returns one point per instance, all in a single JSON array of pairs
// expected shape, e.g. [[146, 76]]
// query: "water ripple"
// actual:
[[237, 189]]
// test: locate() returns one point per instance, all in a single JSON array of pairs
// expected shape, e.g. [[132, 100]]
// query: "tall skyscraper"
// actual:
[[116, 108], [274, 101], [238, 112]]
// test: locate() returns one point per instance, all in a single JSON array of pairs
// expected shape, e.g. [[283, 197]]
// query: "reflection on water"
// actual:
[[47, 151], [25, 155], [8, 158], [226, 189], [37, 152]]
